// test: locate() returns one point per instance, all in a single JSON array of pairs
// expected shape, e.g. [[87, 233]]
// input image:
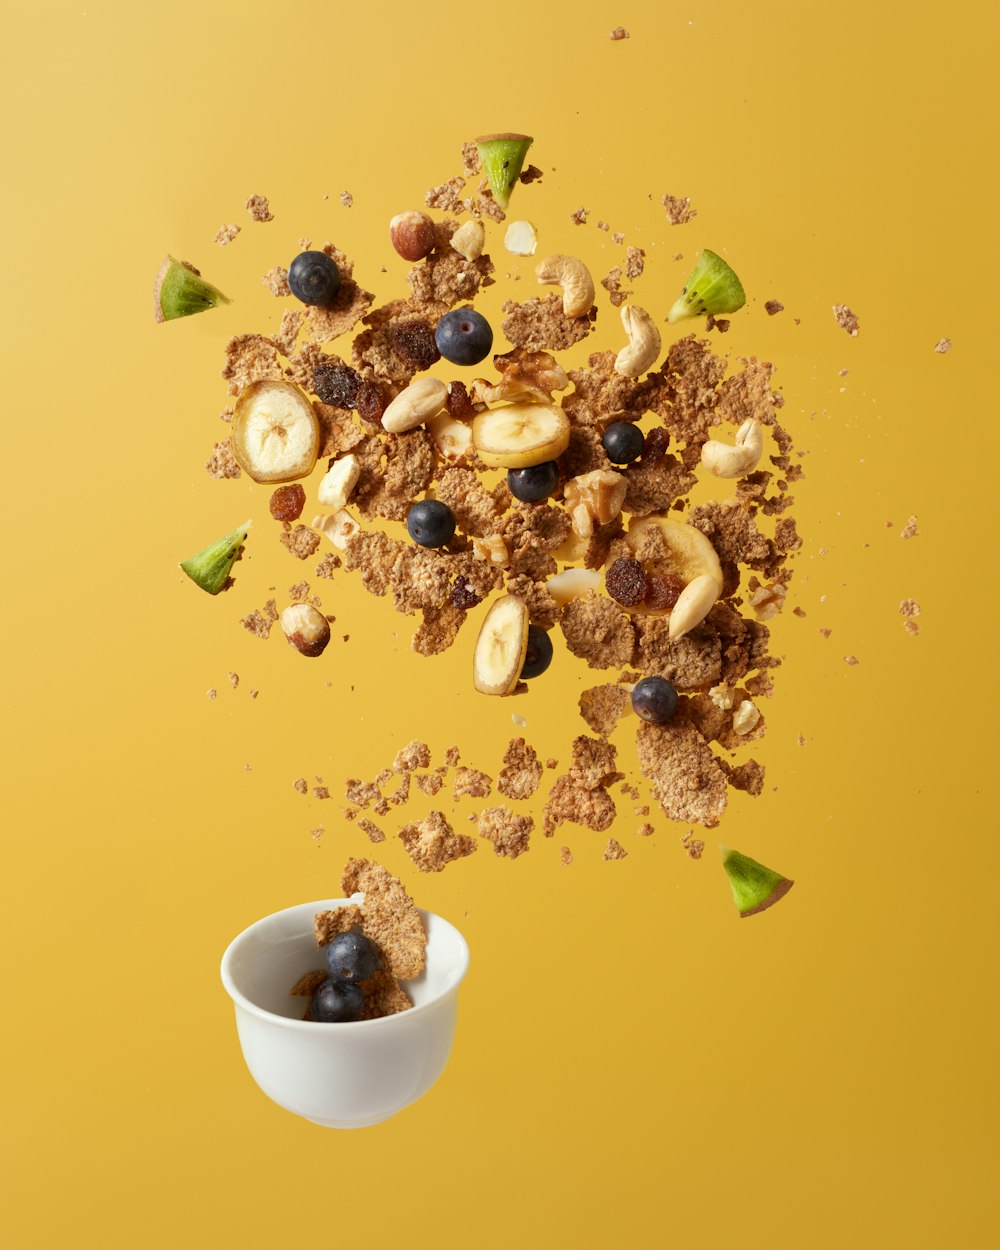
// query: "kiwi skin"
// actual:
[[503, 156], [210, 568], [755, 887], [181, 291]]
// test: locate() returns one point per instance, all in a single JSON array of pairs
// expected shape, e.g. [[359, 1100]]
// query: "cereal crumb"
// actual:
[[614, 850], [234, 678], [565, 856], [909, 607], [222, 463], [942, 346], [317, 833], [301, 785], [276, 281], [826, 632], [851, 659], [910, 530], [473, 782], [414, 755], [846, 319], [229, 232], [519, 720], [603, 225], [911, 627], [259, 209], [773, 306], [300, 541], [432, 843], [211, 693], [320, 792], [797, 611], [508, 832], [326, 567], [679, 210], [522, 771], [370, 829], [451, 757], [347, 199], [259, 623], [801, 740], [694, 846], [254, 694], [579, 218], [430, 783], [603, 706], [618, 33], [645, 831]]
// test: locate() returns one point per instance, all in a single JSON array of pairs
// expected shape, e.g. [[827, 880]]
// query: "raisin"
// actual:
[[463, 594], [370, 402], [458, 402], [336, 384], [287, 502], [625, 582], [657, 442], [414, 342], [663, 591]]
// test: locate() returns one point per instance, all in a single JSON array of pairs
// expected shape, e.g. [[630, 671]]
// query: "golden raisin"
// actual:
[[662, 591], [625, 582], [287, 503]]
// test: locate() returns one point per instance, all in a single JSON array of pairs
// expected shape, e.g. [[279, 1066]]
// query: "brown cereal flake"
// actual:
[[439, 629], [635, 262], [911, 627], [471, 781], [597, 631], [645, 830], [300, 541], [414, 755], [250, 358], [508, 832], [226, 234], [910, 530], [389, 917], [328, 565], [276, 281], [288, 331], [521, 772], [909, 607], [579, 217], [330, 924], [259, 623], [384, 996], [432, 843], [430, 783], [539, 324], [614, 850], [684, 775], [773, 306], [222, 463], [612, 283], [447, 197], [471, 163], [301, 785], [476, 509], [679, 210], [309, 983], [846, 319], [259, 209], [942, 346], [570, 801], [602, 707]]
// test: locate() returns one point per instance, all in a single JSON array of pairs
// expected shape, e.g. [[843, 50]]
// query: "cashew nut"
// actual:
[[643, 342], [693, 605], [469, 240], [413, 406], [725, 461], [574, 278]]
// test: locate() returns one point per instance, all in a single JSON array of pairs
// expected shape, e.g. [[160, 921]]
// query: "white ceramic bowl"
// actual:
[[339, 1075]]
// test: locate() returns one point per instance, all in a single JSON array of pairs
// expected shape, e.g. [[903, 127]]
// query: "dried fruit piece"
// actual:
[[755, 888], [180, 291], [287, 502], [336, 384], [275, 435], [503, 156], [210, 567], [516, 436], [501, 646], [625, 582]]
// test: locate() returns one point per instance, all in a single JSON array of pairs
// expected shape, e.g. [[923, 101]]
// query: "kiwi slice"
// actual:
[[503, 159], [210, 568], [712, 288], [180, 290], [755, 888]]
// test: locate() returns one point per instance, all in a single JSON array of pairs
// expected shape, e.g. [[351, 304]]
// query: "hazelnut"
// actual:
[[306, 629], [412, 234]]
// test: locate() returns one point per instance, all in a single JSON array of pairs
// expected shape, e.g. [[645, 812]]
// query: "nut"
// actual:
[[492, 549], [338, 482], [643, 343], [725, 461], [339, 528], [693, 605], [306, 629], [524, 376], [745, 717], [412, 234], [414, 405], [469, 240], [573, 584], [723, 696], [452, 438], [574, 278], [520, 239], [596, 496]]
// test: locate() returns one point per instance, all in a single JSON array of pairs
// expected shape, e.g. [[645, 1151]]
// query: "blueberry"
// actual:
[[654, 699], [539, 654], [534, 483], [334, 1002], [463, 336], [430, 523], [623, 442], [352, 957], [314, 278]]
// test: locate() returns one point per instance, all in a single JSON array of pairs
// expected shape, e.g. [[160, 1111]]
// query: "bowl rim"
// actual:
[[246, 1004]]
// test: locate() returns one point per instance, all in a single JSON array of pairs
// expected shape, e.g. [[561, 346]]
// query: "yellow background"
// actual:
[[634, 1064]]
